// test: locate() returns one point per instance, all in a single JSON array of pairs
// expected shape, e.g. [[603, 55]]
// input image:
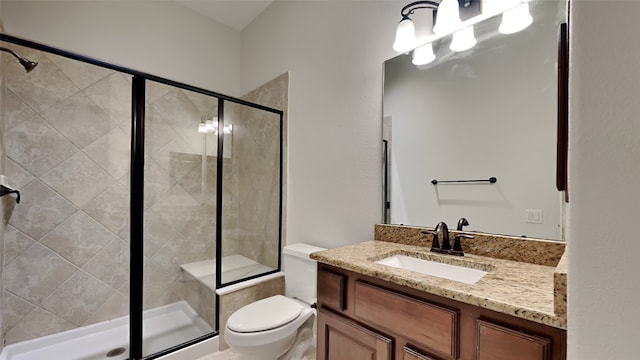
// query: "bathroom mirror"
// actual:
[[487, 112]]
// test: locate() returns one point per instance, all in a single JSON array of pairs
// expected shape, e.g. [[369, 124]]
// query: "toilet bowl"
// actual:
[[266, 329], [270, 328]]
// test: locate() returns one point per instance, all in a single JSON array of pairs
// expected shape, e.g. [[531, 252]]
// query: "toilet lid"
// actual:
[[264, 314]]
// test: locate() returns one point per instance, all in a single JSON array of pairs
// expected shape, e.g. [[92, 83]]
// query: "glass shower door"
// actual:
[[179, 216], [251, 192]]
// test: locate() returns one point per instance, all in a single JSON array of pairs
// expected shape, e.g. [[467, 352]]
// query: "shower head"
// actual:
[[26, 63]]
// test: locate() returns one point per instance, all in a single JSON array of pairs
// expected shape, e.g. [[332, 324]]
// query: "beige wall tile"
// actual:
[[78, 298], [78, 239], [111, 264], [36, 273]]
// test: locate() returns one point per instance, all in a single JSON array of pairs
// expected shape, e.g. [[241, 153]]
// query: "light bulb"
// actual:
[[463, 39], [515, 19], [423, 55], [448, 17], [405, 36], [202, 128]]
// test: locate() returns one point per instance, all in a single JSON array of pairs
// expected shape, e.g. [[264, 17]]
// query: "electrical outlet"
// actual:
[[533, 216]]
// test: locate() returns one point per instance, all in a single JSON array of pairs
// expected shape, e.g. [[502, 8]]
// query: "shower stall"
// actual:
[[140, 197]]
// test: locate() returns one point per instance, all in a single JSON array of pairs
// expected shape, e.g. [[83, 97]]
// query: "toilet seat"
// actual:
[[265, 314]]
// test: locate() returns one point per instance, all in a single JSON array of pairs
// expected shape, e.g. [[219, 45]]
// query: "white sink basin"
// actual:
[[446, 271]]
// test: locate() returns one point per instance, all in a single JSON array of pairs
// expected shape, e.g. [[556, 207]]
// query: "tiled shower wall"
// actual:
[[256, 141], [67, 134], [67, 140]]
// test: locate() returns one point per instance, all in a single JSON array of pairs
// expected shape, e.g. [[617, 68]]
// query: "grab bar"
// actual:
[[491, 180]]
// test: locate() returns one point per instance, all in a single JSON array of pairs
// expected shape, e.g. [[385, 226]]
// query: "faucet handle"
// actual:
[[435, 245], [457, 246]]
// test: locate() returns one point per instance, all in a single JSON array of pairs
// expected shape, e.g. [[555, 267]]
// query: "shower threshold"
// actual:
[[164, 327]]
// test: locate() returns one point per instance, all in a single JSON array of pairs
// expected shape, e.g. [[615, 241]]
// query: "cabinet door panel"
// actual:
[[429, 326], [340, 338], [410, 354], [495, 342]]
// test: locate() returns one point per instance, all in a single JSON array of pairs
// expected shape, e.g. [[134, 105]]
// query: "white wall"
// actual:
[[334, 51], [604, 173], [156, 37]]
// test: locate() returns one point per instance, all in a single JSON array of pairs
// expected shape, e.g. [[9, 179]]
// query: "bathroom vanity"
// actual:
[[367, 310]]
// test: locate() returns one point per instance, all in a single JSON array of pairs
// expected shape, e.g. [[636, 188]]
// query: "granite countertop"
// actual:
[[522, 289]]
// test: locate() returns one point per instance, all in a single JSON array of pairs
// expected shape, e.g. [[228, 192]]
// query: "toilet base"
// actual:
[[302, 343], [271, 351]]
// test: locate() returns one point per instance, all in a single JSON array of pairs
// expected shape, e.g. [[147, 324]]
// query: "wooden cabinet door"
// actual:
[[340, 338], [410, 354], [495, 342]]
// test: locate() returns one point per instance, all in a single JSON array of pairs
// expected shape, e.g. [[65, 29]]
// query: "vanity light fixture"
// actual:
[[447, 14], [447, 20]]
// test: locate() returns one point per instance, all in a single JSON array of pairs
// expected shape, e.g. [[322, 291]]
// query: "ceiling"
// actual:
[[236, 14]]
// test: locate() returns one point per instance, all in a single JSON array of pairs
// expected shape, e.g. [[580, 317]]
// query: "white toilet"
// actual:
[[269, 328]]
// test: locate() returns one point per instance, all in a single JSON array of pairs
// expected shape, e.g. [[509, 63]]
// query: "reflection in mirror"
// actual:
[[486, 112]]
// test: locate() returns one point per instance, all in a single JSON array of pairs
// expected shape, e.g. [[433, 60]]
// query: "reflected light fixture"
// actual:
[[456, 17], [516, 19], [202, 127], [463, 39], [423, 55], [209, 124]]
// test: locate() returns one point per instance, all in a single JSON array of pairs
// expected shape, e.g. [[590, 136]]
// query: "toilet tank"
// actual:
[[300, 272]]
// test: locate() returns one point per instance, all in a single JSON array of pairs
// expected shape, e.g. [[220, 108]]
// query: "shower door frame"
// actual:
[[137, 190]]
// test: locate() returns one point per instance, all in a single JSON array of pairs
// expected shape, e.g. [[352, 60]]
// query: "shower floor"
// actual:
[[164, 327]]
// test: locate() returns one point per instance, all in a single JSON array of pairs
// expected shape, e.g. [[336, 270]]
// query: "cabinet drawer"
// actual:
[[331, 290], [433, 327], [495, 342]]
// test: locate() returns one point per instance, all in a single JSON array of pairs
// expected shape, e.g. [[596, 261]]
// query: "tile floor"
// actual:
[[230, 355], [221, 355]]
